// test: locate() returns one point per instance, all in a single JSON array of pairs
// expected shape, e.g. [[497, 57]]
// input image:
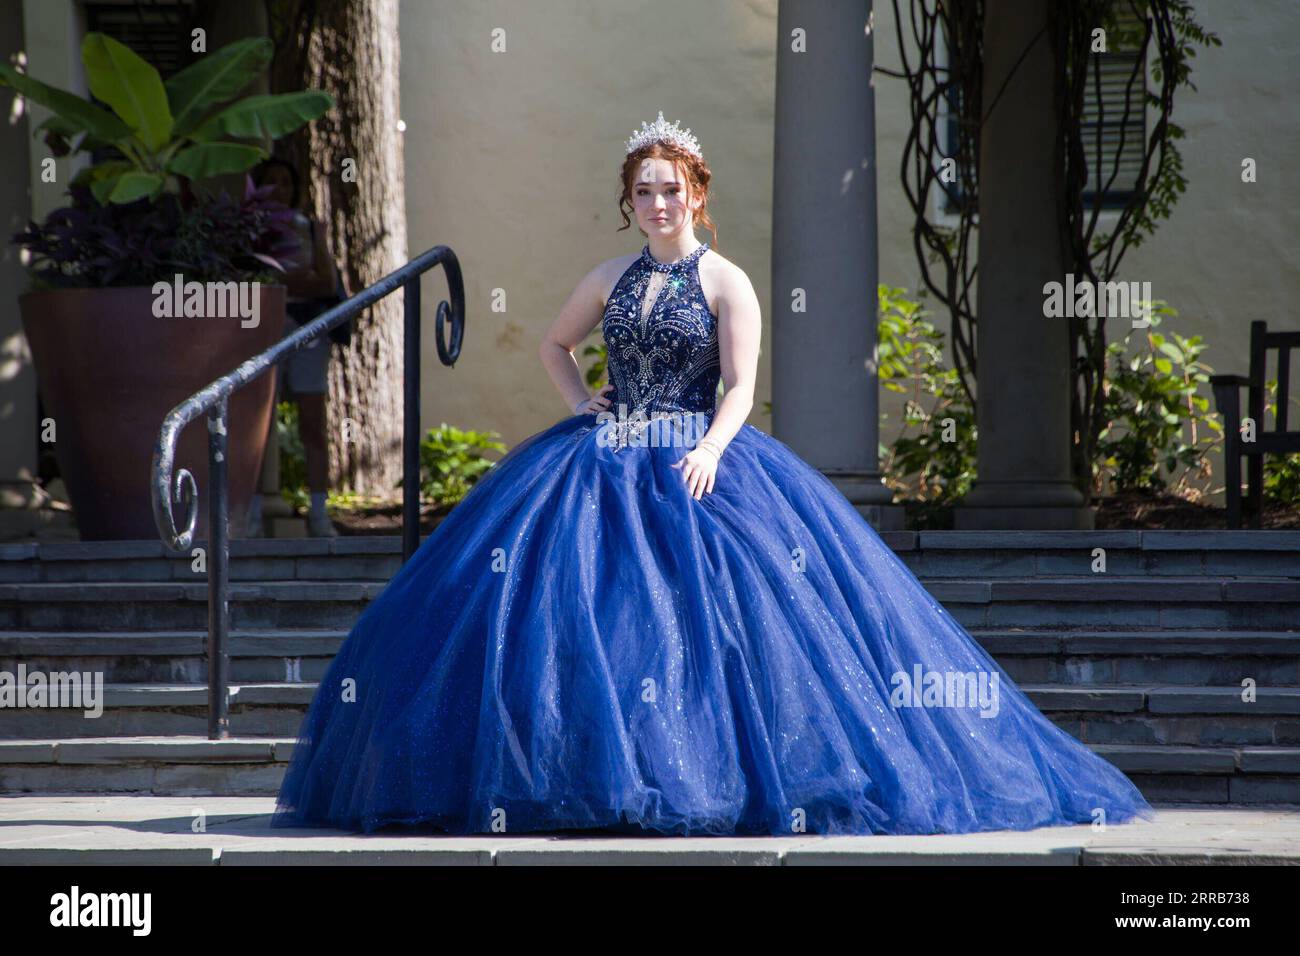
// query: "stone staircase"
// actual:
[[1145, 661]]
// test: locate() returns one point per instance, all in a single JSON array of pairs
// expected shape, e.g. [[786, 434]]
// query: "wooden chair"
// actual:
[[1278, 441]]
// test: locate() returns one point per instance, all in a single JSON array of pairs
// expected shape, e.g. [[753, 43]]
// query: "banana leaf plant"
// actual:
[[164, 133]]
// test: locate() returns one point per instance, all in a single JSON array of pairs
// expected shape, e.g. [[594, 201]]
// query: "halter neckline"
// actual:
[[667, 266]]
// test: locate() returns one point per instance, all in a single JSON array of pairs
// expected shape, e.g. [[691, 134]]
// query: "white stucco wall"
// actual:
[[512, 159]]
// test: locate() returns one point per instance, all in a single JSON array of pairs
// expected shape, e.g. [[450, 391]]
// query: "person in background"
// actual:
[[313, 285]]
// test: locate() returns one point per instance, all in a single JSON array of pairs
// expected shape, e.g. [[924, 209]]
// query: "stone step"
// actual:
[[1204, 657], [274, 709], [937, 554], [1100, 601], [1172, 715], [306, 559], [248, 765], [1049, 656], [145, 764], [1071, 553], [136, 606], [1109, 602], [1119, 714], [173, 656]]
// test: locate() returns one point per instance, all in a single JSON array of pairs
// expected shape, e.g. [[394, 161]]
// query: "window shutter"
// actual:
[[158, 32], [1114, 144]]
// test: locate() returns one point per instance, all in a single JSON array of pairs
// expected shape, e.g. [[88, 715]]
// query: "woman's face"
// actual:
[[279, 177], [659, 198]]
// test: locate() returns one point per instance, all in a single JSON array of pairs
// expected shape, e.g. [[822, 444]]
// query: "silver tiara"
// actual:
[[661, 131]]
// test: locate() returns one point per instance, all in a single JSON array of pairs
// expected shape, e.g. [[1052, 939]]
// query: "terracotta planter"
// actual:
[[109, 371]]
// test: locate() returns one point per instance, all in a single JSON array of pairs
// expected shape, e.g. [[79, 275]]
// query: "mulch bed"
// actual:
[[1132, 512], [1176, 514], [384, 519]]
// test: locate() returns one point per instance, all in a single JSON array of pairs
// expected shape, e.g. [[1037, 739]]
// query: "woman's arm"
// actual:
[[574, 323], [740, 328]]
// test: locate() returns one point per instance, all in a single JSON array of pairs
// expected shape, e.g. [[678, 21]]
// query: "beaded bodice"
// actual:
[[661, 338]]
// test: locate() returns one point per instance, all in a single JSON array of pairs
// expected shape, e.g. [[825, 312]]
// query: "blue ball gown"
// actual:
[[581, 644]]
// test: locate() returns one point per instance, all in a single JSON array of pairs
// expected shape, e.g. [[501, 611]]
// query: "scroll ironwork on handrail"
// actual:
[[168, 486]]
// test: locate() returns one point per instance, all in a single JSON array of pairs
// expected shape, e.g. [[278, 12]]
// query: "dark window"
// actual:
[[158, 32], [1113, 142]]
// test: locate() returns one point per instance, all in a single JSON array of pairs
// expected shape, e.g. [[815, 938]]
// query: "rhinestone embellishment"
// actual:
[[664, 360], [661, 131]]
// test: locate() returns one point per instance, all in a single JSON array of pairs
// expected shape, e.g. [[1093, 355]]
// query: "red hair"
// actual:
[[697, 176]]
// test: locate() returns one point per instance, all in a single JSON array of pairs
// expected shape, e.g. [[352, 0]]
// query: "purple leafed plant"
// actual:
[[86, 244]]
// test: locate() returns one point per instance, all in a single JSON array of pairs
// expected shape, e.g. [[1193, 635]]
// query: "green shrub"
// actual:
[[932, 459], [1159, 430], [293, 462], [1159, 434], [1281, 472], [451, 462]]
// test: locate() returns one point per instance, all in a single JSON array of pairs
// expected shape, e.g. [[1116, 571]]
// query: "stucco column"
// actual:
[[824, 254], [1023, 382]]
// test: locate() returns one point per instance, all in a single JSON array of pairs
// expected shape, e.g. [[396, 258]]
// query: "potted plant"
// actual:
[[145, 288]]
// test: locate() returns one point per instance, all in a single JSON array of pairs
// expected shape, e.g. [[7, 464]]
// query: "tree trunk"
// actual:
[[350, 49]]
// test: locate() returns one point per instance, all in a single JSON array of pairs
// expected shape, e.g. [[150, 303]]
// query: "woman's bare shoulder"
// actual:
[[607, 274], [725, 275]]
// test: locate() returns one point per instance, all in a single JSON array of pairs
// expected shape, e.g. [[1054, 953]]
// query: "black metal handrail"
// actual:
[[214, 400]]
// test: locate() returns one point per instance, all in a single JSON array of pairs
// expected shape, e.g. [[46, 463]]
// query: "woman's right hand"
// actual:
[[596, 403]]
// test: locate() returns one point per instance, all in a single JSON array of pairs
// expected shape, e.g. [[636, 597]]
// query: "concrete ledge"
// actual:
[[134, 592], [324, 642], [18, 551], [1223, 700], [1220, 540], [1108, 700], [1107, 588], [27, 751], [138, 749], [97, 856], [273, 854], [1270, 760], [1134, 758], [101, 643], [99, 550], [1208, 642], [107, 829], [1254, 591], [648, 851], [164, 749]]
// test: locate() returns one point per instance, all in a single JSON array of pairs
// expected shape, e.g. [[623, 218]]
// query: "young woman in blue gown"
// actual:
[[652, 617]]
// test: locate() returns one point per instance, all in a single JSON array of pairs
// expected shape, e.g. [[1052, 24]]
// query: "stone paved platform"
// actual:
[[151, 830]]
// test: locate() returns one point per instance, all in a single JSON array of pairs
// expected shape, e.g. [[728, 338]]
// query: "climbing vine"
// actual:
[[940, 44]]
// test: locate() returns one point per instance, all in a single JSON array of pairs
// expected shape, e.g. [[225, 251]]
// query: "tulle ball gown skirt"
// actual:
[[583, 645]]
